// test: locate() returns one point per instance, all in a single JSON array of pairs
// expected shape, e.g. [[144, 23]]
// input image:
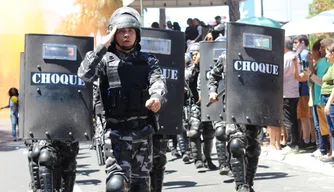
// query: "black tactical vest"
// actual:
[[124, 89]]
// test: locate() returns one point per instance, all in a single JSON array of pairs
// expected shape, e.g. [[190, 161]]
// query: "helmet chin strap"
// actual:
[[127, 48]]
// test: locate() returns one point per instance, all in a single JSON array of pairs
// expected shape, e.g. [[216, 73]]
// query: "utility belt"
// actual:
[[131, 124]]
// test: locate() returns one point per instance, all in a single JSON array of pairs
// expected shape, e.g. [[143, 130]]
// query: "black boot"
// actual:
[[251, 171], [200, 166], [46, 179], [222, 157], [207, 149], [238, 166], [183, 148], [68, 181], [157, 178], [208, 164], [243, 188], [197, 154]]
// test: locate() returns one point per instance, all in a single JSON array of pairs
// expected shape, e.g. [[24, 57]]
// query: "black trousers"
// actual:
[[290, 120]]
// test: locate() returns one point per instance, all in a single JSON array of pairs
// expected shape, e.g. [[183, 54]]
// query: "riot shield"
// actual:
[[168, 47], [210, 51], [57, 103], [21, 96], [254, 77]]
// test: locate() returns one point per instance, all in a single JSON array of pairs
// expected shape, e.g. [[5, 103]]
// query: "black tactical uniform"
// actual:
[[160, 143], [243, 143], [127, 81], [220, 132], [198, 128]]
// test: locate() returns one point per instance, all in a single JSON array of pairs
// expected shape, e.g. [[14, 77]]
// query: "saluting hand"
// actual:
[[153, 104], [107, 40]]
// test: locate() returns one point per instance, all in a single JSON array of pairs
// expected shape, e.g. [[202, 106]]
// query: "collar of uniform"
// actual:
[[127, 56]]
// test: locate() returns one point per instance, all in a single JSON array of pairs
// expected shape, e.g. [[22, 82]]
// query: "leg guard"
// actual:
[[196, 151], [159, 161], [221, 138], [195, 133], [47, 161], [33, 155], [237, 147], [46, 179], [182, 143], [222, 157], [253, 153], [208, 135]]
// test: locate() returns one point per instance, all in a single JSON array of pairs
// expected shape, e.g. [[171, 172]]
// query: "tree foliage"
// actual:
[[319, 6], [91, 16]]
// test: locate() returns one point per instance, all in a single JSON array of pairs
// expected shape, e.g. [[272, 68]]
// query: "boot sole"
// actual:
[[185, 159], [201, 170]]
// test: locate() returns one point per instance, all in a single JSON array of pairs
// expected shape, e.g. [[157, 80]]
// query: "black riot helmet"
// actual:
[[126, 17], [193, 47]]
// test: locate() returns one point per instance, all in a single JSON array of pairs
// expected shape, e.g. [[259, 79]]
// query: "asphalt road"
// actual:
[[271, 176]]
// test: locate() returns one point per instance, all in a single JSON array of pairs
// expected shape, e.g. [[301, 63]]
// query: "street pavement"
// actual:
[[276, 173]]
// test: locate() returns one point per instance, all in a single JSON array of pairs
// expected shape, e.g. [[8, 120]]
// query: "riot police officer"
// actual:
[[132, 91], [243, 143], [98, 115], [220, 133], [198, 128]]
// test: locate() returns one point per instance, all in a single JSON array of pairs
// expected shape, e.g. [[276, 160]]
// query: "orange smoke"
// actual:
[[19, 17]]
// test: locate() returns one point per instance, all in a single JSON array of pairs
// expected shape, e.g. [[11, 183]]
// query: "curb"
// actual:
[[303, 161]]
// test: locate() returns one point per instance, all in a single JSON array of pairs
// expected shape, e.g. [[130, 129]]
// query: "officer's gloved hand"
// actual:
[[213, 97]]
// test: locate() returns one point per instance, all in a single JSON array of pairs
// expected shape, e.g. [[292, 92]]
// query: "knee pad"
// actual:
[[35, 152], [47, 158], [220, 134], [159, 162], [195, 112], [254, 150], [194, 134], [116, 183], [237, 147]]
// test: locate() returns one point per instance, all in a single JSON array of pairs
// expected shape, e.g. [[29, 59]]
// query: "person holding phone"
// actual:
[[300, 44], [327, 89]]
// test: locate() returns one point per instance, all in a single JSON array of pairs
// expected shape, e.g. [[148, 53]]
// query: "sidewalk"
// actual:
[[302, 160]]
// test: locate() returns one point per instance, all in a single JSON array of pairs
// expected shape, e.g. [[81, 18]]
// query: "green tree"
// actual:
[[92, 16], [319, 6], [315, 8]]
